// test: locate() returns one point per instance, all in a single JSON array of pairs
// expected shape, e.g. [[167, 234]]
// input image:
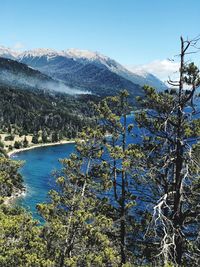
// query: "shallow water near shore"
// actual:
[[37, 173]]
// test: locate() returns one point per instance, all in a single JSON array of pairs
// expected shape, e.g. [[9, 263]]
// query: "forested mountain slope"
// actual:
[[15, 74], [31, 111]]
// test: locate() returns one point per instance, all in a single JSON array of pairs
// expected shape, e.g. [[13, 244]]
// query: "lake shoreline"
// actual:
[[19, 193], [15, 151], [8, 201]]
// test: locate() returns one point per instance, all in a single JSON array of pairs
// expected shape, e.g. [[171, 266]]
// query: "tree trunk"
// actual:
[[123, 197], [177, 217], [122, 226]]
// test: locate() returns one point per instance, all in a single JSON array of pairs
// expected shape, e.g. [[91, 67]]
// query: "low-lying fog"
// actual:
[[23, 81]]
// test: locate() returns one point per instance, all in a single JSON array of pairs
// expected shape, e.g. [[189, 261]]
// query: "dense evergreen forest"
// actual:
[[117, 203], [29, 111]]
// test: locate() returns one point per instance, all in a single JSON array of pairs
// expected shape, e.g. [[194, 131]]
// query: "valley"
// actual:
[[99, 143]]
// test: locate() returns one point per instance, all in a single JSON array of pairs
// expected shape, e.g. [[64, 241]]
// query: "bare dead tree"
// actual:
[[175, 174]]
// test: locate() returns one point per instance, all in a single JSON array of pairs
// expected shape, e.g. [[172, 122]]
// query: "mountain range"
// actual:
[[72, 71], [18, 75]]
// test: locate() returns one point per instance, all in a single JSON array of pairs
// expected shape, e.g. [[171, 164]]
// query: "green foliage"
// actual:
[[92, 217], [10, 179], [35, 139], [2, 151], [17, 144], [9, 138], [20, 241], [24, 112], [55, 137], [1, 144], [25, 142], [77, 229], [83, 227], [44, 136], [169, 169]]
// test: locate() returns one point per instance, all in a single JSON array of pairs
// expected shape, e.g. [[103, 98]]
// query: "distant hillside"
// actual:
[[31, 111], [86, 71], [82, 73], [15, 74]]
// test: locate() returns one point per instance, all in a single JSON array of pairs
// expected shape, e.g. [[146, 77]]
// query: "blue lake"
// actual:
[[40, 163], [37, 173]]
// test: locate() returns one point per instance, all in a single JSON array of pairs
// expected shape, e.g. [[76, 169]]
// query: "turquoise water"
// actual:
[[41, 162], [38, 170], [39, 166], [37, 173]]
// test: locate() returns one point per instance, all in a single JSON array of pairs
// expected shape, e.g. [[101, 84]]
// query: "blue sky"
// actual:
[[133, 32]]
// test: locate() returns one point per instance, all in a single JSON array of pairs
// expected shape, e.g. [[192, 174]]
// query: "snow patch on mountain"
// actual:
[[139, 76], [84, 57], [77, 53], [8, 52], [41, 52]]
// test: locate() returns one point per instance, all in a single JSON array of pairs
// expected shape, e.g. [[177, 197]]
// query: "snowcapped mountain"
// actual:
[[136, 77], [82, 69], [59, 63], [8, 53], [90, 71], [40, 52]]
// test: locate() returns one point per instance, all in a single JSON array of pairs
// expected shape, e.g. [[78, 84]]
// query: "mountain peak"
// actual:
[[69, 53], [62, 64], [39, 52], [8, 52], [79, 53]]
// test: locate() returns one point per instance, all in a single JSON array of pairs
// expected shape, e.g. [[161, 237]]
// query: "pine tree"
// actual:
[[44, 136], [10, 179], [114, 168], [35, 138], [21, 243], [170, 167], [54, 137], [25, 142], [77, 229]]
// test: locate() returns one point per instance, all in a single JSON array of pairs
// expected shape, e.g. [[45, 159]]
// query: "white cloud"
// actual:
[[163, 69]]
